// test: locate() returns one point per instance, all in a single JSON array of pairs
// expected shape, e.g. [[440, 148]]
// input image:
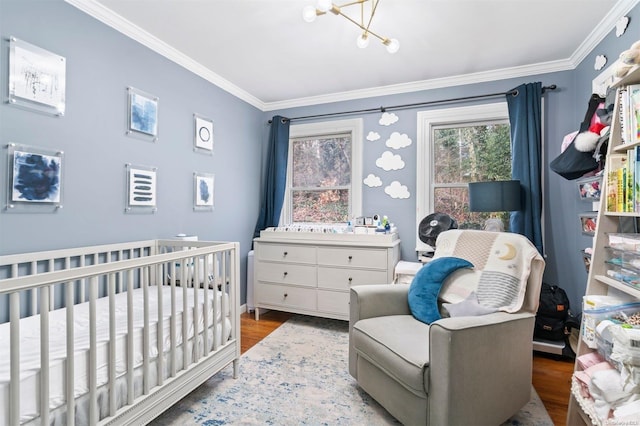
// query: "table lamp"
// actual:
[[494, 196]]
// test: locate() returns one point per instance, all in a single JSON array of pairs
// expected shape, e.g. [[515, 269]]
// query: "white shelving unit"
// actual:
[[598, 281]]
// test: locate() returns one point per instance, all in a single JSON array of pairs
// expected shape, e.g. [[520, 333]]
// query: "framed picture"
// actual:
[[141, 185], [142, 115], [36, 78], [203, 134], [203, 191], [35, 179], [589, 188], [588, 222]]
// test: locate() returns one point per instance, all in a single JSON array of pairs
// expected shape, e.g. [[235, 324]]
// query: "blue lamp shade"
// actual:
[[495, 196]]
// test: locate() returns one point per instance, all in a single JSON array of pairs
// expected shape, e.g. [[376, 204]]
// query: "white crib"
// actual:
[[114, 334]]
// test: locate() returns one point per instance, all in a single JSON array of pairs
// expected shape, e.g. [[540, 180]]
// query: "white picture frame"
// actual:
[[37, 78], [203, 134]]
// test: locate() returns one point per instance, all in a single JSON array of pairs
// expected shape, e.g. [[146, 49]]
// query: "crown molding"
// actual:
[[417, 86], [117, 22]]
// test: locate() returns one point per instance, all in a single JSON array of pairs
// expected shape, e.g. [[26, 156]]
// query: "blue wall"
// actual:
[[564, 109], [101, 63]]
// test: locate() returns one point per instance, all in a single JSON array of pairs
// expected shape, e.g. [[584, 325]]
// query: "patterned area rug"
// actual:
[[298, 376]]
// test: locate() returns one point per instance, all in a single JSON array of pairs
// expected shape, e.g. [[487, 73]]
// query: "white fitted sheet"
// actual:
[[30, 349]]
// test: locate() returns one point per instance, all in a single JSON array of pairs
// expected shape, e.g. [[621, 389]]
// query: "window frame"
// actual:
[[427, 121], [352, 126]]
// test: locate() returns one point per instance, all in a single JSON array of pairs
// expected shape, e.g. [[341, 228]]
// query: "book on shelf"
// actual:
[[629, 116], [616, 183], [634, 110]]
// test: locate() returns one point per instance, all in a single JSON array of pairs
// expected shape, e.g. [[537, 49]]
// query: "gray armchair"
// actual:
[[463, 370]]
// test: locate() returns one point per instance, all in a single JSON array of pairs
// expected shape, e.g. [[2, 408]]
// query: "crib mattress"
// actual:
[[30, 345]]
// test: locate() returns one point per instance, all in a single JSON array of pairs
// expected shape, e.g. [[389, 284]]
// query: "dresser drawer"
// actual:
[[334, 302], [359, 258], [285, 296], [286, 273], [343, 278], [286, 253]]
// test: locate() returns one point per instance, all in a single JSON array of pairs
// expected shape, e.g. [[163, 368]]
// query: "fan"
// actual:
[[432, 225]]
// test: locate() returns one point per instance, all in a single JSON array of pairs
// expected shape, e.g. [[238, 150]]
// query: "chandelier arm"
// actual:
[[348, 18], [373, 11]]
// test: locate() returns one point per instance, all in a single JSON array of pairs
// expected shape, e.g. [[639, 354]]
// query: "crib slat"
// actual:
[[34, 292], [93, 380], [196, 283], [216, 269], [225, 300], [130, 395], [185, 309], [14, 384], [112, 344], [205, 305], [160, 328], [69, 373], [172, 329], [52, 290], [44, 356], [145, 331]]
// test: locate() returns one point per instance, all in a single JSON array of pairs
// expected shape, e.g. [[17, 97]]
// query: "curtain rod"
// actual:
[[513, 92]]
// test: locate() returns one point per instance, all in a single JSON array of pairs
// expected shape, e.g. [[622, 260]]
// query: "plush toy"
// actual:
[[588, 141], [629, 59]]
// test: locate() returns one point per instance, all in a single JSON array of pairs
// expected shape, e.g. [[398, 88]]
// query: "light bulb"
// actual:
[[309, 13], [393, 45], [362, 41], [324, 5]]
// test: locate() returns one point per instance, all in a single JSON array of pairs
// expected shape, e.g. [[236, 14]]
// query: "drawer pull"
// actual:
[[285, 295], [286, 273], [285, 254], [350, 279], [350, 258]]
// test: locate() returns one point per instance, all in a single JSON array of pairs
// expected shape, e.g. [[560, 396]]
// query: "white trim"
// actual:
[[425, 121], [355, 127]]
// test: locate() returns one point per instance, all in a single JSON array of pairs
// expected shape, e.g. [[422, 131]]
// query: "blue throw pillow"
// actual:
[[424, 289]]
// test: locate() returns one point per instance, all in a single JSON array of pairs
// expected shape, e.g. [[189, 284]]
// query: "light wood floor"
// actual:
[[551, 374]]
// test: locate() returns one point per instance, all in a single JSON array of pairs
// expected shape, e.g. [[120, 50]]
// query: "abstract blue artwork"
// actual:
[[142, 187], [36, 177], [203, 191], [144, 114]]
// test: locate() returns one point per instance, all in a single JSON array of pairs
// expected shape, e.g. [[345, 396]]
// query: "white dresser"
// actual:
[[311, 274]]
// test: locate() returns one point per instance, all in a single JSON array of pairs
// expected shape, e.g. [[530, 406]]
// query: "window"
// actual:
[[324, 173], [457, 146]]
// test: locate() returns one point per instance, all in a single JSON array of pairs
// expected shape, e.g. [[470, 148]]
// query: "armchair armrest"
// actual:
[[475, 357], [378, 300]]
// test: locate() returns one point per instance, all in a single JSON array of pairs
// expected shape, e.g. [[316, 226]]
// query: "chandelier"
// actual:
[[309, 14]]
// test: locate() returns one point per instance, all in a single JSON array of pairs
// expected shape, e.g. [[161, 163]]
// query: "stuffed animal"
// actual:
[[629, 59]]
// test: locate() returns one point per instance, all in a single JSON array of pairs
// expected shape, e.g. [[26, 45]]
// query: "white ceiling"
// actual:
[[265, 53]]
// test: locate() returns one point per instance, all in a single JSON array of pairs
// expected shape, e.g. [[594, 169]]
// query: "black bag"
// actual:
[[552, 314], [573, 164]]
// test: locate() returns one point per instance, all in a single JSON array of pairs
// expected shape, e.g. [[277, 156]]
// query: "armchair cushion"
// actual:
[[424, 289]]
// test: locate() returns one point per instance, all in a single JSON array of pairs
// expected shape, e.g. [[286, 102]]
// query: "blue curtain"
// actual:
[[526, 144], [275, 179]]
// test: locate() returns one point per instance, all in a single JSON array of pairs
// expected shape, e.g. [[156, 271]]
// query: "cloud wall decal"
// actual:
[[372, 181], [398, 140], [389, 161], [397, 190], [373, 136], [388, 118]]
